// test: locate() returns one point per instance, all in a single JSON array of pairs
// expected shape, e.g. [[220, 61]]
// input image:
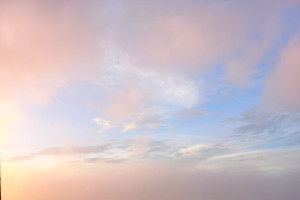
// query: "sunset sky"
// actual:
[[150, 99]]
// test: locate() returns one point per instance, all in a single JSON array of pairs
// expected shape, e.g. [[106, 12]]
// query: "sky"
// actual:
[[143, 100]]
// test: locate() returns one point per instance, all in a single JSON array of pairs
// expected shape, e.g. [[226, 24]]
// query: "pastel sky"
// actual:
[[150, 100]]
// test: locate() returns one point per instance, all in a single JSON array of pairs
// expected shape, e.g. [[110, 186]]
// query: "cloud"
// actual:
[[260, 126], [145, 151], [200, 35], [66, 151], [123, 103], [129, 126], [104, 124], [43, 45], [163, 87], [199, 148], [161, 182], [283, 83], [280, 159], [142, 96]]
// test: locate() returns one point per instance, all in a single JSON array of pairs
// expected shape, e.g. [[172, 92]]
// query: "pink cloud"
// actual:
[[42, 44], [122, 104], [200, 34], [283, 83]]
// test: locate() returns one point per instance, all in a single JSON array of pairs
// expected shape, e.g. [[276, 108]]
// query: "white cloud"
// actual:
[[165, 87], [104, 124], [134, 96], [129, 127], [263, 159], [194, 149]]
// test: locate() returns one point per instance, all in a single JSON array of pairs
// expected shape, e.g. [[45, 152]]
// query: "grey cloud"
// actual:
[[276, 159], [98, 153], [216, 155], [152, 151], [259, 126]]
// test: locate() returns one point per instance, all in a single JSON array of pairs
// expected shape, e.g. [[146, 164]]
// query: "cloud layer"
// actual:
[[124, 182]]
